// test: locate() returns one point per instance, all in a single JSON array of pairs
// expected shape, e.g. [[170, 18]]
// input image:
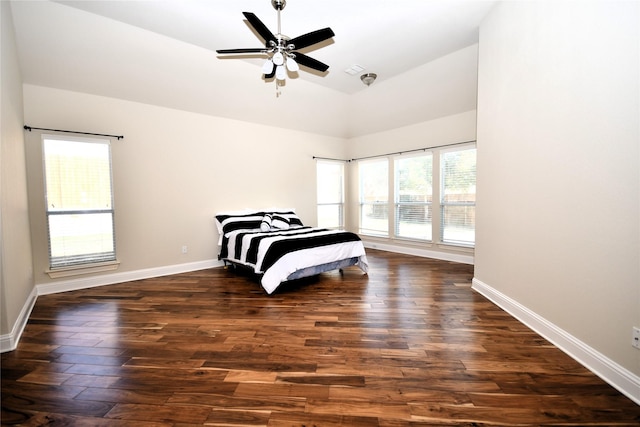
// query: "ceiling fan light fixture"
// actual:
[[292, 65], [278, 58], [281, 49], [368, 78], [267, 67], [281, 72]]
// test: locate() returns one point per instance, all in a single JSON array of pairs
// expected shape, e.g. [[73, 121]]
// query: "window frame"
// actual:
[[443, 204], [385, 204], [397, 204], [339, 204], [86, 260]]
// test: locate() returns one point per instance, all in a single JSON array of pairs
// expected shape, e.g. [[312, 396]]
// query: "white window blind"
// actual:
[[414, 196], [374, 197], [79, 198], [330, 187], [458, 196]]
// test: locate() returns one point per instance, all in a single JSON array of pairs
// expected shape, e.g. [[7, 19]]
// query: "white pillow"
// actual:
[[265, 225]]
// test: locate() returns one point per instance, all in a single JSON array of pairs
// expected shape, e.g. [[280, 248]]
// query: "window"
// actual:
[[428, 196], [413, 196], [374, 197], [458, 196], [79, 199], [330, 185]]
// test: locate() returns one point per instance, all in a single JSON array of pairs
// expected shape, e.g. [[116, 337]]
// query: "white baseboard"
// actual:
[[9, 341], [126, 276], [617, 376], [425, 253]]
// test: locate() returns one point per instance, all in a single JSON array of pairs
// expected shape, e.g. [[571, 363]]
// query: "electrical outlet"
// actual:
[[184, 249], [635, 341]]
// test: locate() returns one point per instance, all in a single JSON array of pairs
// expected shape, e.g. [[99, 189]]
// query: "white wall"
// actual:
[[16, 280], [173, 171], [451, 129], [558, 212]]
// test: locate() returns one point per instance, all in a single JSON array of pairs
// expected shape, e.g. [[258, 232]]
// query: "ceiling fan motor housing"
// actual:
[[278, 4]]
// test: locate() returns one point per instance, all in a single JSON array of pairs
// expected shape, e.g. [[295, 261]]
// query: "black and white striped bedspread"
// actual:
[[277, 254]]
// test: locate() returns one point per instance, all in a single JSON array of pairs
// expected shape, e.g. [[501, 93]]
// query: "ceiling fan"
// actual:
[[283, 52]]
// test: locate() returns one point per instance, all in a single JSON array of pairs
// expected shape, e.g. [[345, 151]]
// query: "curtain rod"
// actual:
[[412, 151], [329, 158], [397, 153], [29, 128]]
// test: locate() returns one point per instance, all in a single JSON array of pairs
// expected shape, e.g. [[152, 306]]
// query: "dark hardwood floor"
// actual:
[[410, 344]]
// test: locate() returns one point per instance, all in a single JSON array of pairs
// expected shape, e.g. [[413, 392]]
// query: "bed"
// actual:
[[277, 246]]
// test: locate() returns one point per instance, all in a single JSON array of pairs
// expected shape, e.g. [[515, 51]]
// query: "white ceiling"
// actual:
[[116, 48], [386, 37]]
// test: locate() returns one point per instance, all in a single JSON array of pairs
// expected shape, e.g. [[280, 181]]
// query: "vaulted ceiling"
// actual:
[[163, 52]]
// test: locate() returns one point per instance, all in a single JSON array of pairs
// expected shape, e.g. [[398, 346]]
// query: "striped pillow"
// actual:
[[291, 217], [249, 221], [280, 222]]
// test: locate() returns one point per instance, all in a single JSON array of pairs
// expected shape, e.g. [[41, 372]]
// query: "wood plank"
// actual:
[[159, 413], [298, 419], [53, 419]]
